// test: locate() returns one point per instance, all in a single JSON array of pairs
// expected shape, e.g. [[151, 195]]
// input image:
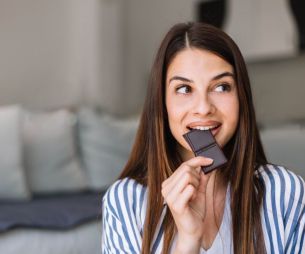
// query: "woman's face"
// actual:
[[201, 92]]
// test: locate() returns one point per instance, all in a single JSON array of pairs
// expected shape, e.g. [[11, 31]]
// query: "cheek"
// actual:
[[228, 104], [235, 108], [175, 114], [229, 108], [173, 118], [174, 109], [232, 112]]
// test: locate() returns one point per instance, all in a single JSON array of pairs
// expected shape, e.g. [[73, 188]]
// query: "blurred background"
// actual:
[[80, 55], [99, 52]]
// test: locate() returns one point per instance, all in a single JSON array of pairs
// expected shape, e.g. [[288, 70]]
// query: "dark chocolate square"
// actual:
[[204, 144]]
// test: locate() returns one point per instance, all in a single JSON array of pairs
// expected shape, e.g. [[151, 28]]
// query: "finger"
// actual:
[[173, 180], [193, 163], [199, 161], [177, 174], [180, 204], [172, 192]]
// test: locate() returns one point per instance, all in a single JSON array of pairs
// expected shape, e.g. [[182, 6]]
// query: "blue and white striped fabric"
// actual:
[[283, 214]]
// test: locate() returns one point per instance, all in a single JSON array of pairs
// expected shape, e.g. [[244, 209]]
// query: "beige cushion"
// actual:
[[12, 177], [51, 159], [105, 143]]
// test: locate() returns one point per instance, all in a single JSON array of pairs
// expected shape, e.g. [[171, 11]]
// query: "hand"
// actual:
[[185, 194]]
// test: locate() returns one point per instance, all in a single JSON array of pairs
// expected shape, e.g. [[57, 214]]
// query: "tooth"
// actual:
[[204, 128]]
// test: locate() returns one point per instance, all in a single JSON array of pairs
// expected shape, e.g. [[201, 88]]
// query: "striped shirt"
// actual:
[[282, 216]]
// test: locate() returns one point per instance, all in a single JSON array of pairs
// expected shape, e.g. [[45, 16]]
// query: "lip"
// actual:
[[215, 131], [200, 123], [208, 123]]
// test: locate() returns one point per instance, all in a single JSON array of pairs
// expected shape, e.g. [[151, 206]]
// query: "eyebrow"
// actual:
[[219, 76]]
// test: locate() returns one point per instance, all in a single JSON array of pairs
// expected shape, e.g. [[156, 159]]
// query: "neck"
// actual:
[[217, 185]]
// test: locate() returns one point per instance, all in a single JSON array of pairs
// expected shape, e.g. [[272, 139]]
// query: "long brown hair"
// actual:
[[154, 156]]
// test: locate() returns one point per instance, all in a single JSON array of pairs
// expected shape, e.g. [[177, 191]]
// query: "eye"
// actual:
[[223, 88], [183, 89]]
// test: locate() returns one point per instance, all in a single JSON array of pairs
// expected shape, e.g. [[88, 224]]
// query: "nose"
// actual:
[[203, 105]]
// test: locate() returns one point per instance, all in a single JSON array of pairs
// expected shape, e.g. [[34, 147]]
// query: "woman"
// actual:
[[163, 202]]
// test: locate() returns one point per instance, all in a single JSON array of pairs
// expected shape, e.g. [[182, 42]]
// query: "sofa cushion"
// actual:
[[50, 155], [12, 177], [105, 144], [285, 145]]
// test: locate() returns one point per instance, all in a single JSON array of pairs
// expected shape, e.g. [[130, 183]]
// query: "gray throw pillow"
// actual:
[[105, 144], [12, 176], [50, 154]]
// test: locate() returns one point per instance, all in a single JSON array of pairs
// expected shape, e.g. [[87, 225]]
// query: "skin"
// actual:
[[196, 94]]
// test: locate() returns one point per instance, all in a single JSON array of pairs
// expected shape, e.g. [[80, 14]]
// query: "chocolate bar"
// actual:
[[204, 144]]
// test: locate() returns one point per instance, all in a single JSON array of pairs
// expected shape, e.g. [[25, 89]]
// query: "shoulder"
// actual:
[[122, 221], [283, 209], [279, 177], [124, 195], [282, 186]]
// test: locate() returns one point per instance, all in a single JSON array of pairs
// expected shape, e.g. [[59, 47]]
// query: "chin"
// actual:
[[220, 141], [223, 143]]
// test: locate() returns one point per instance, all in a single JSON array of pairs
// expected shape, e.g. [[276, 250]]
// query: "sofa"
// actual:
[[54, 169]]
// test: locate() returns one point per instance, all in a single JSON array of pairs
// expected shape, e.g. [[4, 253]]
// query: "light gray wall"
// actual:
[[279, 90], [36, 66], [61, 52], [262, 29], [108, 51]]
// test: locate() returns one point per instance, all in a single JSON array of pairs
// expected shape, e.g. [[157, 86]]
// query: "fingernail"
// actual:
[[209, 160]]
